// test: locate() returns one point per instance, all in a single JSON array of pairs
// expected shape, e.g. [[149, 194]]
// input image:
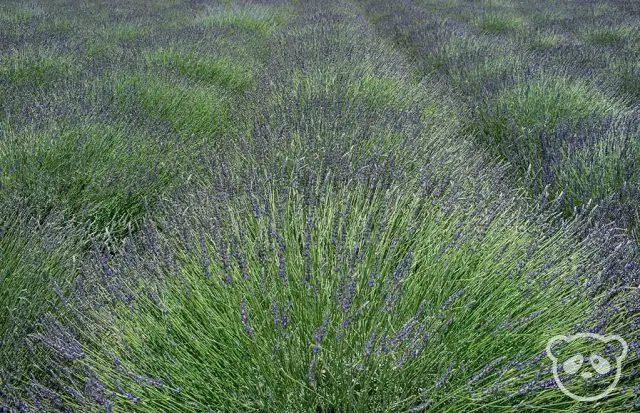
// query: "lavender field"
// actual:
[[319, 206]]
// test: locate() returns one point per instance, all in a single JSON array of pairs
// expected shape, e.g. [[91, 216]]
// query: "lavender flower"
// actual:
[[346, 293], [370, 344], [311, 372], [321, 332], [442, 380], [282, 267], [133, 398], [394, 284], [245, 317], [451, 299], [485, 371], [422, 406]]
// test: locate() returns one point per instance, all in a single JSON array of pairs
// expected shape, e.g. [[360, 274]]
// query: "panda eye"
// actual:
[[600, 364], [573, 364]]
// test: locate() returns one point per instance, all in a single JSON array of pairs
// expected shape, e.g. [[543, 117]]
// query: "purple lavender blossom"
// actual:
[[321, 332], [245, 317], [422, 406], [452, 298], [311, 372]]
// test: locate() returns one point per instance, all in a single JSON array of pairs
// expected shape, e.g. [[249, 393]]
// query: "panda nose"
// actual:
[[586, 375]]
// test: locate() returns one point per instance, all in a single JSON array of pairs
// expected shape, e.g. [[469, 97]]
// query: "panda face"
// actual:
[[595, 362], [581, 360]]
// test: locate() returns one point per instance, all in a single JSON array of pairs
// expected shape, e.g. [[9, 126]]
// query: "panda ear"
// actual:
[[624, 347], [554, 342]]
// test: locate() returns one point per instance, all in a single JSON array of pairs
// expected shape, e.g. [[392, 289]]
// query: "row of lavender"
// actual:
[[337, 246], [95, 107], [552, 87]]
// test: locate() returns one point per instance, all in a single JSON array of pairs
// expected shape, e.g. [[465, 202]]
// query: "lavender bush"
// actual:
[[532, 79]]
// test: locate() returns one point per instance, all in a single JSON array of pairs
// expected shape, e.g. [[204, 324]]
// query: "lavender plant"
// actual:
[[406, 302], [499, 49], [81, 161]]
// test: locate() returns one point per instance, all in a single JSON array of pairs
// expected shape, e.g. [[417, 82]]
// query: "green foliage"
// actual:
[[37, 263], [493, 66], [212, 69], [605, 36], [104, 40], [357, 85], [193, 338], [36, 67], [499, 23], [127, 32], [543, 41], [17, 14], [261, 19], [194, 111], [627, 72], [55, 25], [605, 169], [541, 104], [97, 48], [99, 174]]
